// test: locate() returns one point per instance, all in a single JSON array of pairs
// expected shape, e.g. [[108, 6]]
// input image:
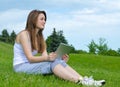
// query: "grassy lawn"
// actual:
[[100, 67]]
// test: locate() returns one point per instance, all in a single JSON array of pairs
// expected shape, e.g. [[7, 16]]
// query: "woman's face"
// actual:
[[41, 21]]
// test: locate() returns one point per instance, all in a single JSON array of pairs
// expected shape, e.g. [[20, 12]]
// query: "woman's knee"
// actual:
[[58, 62]]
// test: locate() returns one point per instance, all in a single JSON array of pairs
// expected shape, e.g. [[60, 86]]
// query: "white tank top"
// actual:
[[19, 55]]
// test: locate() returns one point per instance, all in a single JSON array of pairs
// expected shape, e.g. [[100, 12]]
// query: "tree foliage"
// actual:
[[54, 40], [92, 47], [111, 52], [12, 37], [102, 47], [118, 50], [5, 37]]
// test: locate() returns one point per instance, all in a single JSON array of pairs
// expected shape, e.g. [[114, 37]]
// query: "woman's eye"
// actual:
[[42, 19]]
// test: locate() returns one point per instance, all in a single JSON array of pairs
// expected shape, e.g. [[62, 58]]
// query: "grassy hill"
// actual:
[[100, 67]]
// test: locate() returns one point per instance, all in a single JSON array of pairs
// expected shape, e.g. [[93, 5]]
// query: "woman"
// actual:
[[30, 41]]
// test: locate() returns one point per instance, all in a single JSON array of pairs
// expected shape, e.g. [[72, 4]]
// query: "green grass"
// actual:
[[100, 67]]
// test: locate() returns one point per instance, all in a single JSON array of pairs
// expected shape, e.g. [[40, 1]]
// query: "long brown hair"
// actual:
[[30, 27]]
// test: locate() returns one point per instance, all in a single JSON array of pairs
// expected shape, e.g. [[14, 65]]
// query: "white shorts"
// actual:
[[39, 68]]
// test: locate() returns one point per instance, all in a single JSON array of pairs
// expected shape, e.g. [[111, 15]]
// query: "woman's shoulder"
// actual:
[[23, 32], [20, 35]]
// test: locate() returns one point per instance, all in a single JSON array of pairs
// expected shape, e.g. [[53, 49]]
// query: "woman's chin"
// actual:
[[42, 28]]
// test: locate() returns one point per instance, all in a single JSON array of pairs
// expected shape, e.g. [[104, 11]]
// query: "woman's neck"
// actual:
[[37, 30]]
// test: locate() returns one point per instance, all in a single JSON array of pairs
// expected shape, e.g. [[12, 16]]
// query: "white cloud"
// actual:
[[97, 19], [13, 19], [109, 5], [84, 11], [13, 15]]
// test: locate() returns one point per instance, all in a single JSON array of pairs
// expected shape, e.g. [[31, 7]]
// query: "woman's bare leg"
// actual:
[[72, 71], [66, 73]]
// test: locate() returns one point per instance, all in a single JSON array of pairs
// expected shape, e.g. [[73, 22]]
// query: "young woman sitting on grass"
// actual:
[[30, 41]]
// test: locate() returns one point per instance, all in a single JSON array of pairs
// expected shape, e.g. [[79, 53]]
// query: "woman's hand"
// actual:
[[52, 56], [65, 57]]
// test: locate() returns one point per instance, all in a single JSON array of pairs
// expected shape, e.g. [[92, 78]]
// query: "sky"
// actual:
[[80, 20]]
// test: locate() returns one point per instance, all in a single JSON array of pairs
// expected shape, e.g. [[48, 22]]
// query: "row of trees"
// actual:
[[57, 37], [102, 48], [5, 37]]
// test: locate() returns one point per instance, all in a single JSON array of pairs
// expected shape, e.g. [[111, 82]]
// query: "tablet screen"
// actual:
[[63, 49]]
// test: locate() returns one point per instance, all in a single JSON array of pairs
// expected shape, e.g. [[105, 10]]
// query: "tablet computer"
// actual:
[[63, 49]]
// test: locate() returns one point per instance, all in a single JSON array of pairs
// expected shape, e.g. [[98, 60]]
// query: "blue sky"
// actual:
[[80, 20]]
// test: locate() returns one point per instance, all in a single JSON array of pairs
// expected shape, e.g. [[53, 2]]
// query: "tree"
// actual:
[[102, 47], [12, 37], [5, 36], [118, 50], [111, 52], [92, 47], [61, 38], [0, 37], [54, 40]]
